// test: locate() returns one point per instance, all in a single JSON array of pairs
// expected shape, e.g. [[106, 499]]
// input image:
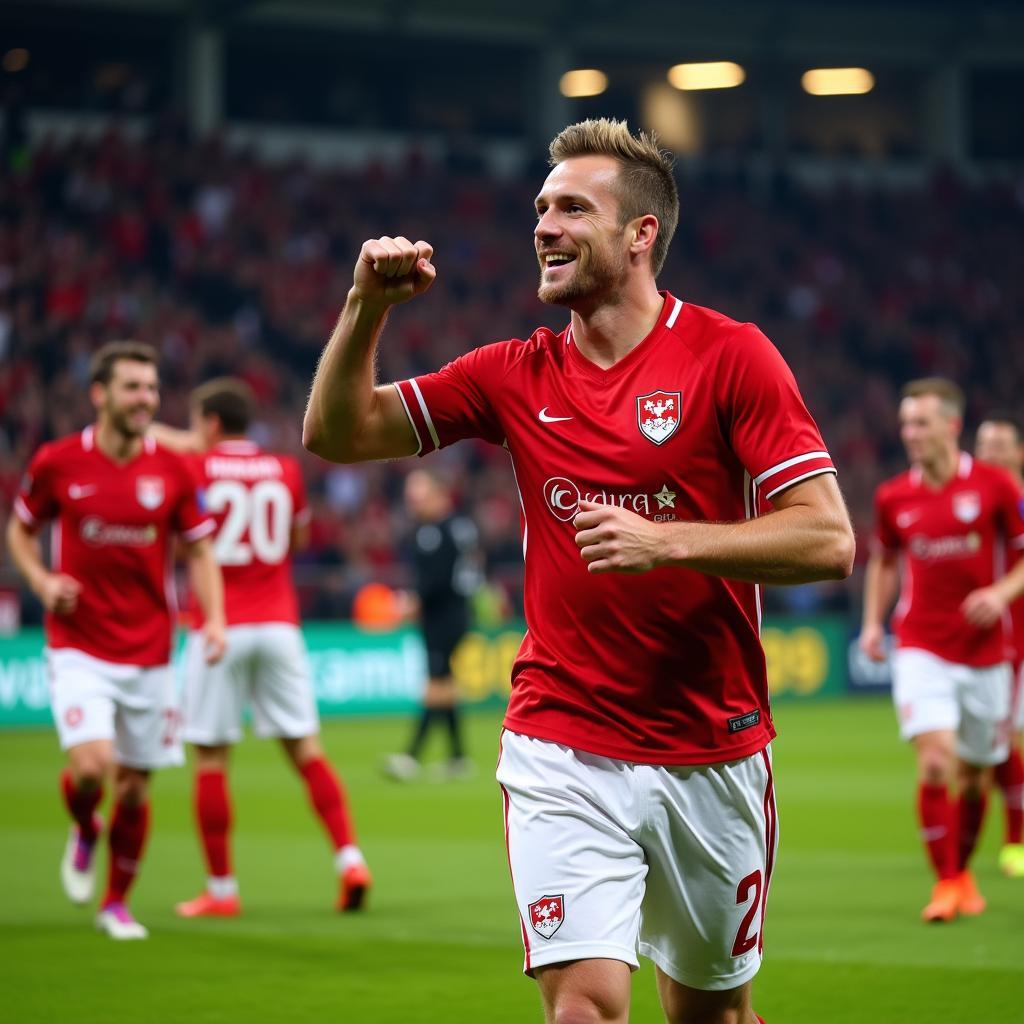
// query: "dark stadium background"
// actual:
[[200, 175]]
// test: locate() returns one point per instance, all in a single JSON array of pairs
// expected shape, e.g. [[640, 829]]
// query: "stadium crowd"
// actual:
[[230, 265]]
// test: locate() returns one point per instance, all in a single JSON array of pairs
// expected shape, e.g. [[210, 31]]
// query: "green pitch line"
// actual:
[[439, 941]]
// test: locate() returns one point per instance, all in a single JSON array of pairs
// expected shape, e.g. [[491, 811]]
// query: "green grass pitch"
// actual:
[[439, 941]]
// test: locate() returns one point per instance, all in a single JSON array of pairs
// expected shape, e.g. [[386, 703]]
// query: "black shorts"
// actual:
[[441, 635]]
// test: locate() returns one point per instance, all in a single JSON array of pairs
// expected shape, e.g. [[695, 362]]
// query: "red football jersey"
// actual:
[[952, 541], [113, 531], [701, 421], [256, 499], [1016, 552]]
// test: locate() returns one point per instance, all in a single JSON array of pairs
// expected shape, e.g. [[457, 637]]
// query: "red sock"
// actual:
[[328, 799], [971, 814], [128, 830], [1009, 778], [213, 815], [936, 813], [81, 804]]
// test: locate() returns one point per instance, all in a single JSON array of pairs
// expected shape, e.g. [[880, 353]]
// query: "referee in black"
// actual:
[[446, 565]]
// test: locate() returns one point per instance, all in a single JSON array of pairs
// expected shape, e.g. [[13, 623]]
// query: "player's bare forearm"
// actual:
[[185, 442], [881, 583], [348, 418], [206, 580], [985, 606], [26, 553], [807, 538], [788, 546]]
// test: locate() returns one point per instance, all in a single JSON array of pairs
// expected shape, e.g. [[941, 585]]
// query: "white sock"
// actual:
[[346, 857], [222, 888]]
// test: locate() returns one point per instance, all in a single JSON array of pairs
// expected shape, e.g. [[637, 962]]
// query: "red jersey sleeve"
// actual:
[[301, 512], [1010, 504], [886, 537], [36, 500], [769, 427], [458, 401], [189, 520]]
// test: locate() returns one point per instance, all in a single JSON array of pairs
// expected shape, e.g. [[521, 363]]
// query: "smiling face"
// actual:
[[581, 246], [130, 399]]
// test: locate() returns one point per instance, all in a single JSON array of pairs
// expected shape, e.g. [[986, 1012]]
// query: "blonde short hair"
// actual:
[[646, 184]]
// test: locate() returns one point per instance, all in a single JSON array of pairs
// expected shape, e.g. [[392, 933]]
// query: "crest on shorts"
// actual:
[[73, 717], [150, 491], [967, 506], [547, 915], [657, 414]]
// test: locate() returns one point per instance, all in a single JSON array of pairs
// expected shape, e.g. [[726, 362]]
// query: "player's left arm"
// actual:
[[184, 442], [808, 537], [985, 606], [208, 586]]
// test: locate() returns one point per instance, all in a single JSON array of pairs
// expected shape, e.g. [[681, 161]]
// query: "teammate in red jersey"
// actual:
[[648, 439], [942, 525], [1000, 442], [259, 503], [117, 499]]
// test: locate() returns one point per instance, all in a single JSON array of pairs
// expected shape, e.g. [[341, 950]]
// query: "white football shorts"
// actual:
[[932, 694], [265, 667], [1017, 698], [135, 707], [610, 857]]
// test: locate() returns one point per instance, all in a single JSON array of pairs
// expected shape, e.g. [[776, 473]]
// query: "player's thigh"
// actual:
[[283, 701], [711, 835], [685, 1005], [83, 698], [148, 721], [924, 691], [215, 695], [585, 990], [984, 734], [577, 873], [1017, 698]]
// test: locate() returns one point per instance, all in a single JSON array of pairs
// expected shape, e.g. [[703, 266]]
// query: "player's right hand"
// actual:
[[393, 270], [872, 642], [59, 593]]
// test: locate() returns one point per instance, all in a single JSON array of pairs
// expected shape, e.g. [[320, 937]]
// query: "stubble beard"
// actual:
[[599, 273]]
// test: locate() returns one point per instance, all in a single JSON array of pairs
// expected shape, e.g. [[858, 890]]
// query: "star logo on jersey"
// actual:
[[665, 497], [967, 506], [547, 915], [657, 414], [150, 492]]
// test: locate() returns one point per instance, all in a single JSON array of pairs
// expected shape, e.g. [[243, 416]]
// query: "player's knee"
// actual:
[[91, 769], [132, 787], [936, 766]]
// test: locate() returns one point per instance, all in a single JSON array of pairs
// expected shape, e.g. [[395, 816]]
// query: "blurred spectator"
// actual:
[[228, 265]]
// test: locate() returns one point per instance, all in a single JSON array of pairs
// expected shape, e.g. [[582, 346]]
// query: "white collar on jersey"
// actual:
[[89, 440], [963, 469]]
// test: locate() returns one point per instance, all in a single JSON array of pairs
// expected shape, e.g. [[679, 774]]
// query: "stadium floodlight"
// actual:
[[16, 60], [838, 81], [583, 82], [716, 74]]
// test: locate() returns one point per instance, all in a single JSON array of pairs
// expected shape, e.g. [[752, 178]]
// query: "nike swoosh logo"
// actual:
[[76, 491], [545, 418]]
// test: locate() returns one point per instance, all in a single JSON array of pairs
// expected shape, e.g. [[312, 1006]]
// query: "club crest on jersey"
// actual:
[[967, 506], [150, 491], [547, 915], [657, 414]]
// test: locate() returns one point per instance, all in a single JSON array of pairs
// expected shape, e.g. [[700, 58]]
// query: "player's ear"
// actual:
[[642, 233], [97, 394]]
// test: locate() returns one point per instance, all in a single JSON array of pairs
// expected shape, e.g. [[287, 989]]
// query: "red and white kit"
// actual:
[[948, 674], [1017, 633], [701, 421], [256, 499], [113, 526]]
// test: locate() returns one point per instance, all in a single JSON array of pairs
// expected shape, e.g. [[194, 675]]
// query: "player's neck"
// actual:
[[114, 444], [938, 472], [610, 331]]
